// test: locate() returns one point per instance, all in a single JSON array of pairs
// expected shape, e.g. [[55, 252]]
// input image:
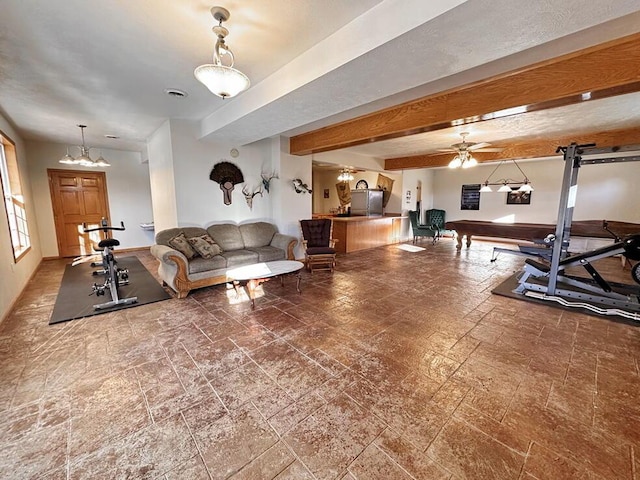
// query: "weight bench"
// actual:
[[597, 291]]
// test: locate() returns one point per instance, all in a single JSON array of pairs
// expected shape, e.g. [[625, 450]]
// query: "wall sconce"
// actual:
[[506, 183]]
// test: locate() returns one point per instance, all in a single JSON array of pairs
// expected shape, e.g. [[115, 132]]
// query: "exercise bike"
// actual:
[[114, 276]]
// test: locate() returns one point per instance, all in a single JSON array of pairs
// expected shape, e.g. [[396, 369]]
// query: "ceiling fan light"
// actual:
[[471, 162], [456, 162]]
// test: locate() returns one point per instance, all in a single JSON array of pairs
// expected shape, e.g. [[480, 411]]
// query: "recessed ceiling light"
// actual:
[[174, 92], [113, 137]]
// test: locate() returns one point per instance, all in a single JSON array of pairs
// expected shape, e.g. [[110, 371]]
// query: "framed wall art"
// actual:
[[470, 199], [518, 198]]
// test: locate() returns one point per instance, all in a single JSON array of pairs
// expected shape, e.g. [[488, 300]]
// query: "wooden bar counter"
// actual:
[[360, 232]]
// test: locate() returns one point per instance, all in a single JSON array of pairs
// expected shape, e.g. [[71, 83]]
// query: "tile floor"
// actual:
[[400, 365]]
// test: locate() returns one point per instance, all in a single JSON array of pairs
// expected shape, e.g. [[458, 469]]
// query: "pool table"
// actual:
[[536, 231]]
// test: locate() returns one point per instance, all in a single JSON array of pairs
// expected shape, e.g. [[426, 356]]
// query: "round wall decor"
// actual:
[[362, 184]]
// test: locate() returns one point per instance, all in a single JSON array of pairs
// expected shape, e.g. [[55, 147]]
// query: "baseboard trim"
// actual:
[[118, 250], [15, 300]]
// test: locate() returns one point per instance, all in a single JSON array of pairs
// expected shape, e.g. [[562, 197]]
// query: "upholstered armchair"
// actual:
[[436, 218], [319, 247], [422, 230]]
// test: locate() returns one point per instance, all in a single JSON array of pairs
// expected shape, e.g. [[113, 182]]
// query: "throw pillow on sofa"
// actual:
[[181, 243], [205, 246]]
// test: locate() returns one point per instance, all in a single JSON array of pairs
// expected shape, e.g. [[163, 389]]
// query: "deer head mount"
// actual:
[[248, 195], [266, 179]]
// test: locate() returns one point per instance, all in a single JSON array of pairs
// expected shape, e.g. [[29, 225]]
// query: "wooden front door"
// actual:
[[78, 197]]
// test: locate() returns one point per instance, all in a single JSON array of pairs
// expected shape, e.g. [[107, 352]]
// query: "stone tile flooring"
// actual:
[[400, 365]]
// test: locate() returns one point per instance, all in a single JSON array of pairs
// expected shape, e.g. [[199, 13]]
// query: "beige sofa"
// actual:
[[241, 245]]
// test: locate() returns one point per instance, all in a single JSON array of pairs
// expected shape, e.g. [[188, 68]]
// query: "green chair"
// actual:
[[422, 230], [436, 218]]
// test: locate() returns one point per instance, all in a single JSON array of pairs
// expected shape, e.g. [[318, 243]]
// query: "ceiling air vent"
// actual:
[[174, 92]]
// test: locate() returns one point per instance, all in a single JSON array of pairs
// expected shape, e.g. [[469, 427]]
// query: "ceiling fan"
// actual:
[[463, 151]]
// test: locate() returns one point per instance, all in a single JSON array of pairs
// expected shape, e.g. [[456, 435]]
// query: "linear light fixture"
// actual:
[[507, 183]]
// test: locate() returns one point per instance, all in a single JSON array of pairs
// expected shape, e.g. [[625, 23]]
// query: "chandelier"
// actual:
[[506, 184], [84, 160], [345, 175], [222, 80]]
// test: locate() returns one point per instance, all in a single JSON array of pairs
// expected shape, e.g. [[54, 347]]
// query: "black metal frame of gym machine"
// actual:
[[574, 159]]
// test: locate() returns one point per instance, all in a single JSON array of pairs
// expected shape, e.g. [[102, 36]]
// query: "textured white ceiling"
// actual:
[[311, 62]]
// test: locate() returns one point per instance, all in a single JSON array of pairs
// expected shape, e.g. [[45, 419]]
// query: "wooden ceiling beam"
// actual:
[[612, 68], [534, 148]]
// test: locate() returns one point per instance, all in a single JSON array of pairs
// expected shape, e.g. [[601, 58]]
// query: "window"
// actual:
[[13, 198]]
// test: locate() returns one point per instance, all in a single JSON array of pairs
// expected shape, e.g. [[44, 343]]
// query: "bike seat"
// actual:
[[108, 242]]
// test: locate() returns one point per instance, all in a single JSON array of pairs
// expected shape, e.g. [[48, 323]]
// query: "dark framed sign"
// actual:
[[470, 199], [518, 198]]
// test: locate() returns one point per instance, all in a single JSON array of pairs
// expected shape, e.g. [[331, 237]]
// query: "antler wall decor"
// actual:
[[227, 175], [248, 195], [266, 179]]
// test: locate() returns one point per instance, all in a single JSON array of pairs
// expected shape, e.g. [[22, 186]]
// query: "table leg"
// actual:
[[459, 241], [251, 288], [299, 275], [468, 240], [236, 287]]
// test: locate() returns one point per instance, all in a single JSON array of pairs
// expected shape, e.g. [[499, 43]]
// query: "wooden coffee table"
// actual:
[[254, 275]]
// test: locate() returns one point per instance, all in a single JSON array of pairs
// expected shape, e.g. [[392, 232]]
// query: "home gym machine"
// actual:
[[114, 276], [550, 282]]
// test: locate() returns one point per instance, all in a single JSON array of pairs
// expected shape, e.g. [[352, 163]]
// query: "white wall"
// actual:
[[14, 276], [161, 178], [199, 200], [410, 181], [289, 207], [128, 190], [606, 191]]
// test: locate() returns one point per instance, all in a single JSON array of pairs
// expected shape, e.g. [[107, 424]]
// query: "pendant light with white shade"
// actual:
[[222, 80], [84, 159]]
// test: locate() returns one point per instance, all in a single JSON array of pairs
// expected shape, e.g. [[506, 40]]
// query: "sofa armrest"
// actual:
[[286, 243], [173, 269], [164, 254]]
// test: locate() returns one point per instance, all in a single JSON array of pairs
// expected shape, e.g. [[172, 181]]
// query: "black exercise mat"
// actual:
[[74, 301], [506, 288]]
